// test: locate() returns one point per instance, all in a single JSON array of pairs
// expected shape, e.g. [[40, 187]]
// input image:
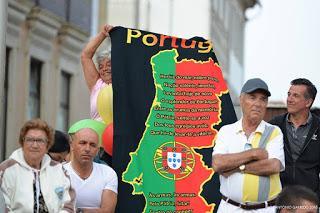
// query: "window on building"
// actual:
[[34, 89], [64, 106], [5, 103]]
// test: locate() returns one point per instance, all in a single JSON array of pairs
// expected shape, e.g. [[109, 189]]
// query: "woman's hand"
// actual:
[[106, 29], [90, 71]]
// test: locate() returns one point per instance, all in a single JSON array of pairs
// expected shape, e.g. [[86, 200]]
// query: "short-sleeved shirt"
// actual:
[[89, 191], [94, 114], [243, 187]]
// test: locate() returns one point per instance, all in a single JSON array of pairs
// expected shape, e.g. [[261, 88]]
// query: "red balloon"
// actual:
[[107, 139]]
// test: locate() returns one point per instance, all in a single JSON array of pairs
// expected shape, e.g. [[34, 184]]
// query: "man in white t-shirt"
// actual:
[[95, 184]]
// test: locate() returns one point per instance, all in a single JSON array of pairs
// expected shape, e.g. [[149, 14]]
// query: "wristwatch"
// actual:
[[242, 167]]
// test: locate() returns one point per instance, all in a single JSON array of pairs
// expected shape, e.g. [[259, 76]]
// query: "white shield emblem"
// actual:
[[174, 160]]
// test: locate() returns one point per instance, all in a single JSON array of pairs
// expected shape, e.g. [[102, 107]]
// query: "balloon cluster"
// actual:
[[105, 110]]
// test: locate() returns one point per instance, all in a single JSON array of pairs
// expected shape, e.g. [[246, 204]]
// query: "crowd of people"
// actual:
[[263, 166], [54, 171]]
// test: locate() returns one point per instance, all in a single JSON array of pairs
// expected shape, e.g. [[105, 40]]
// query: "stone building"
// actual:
[[43, 76]]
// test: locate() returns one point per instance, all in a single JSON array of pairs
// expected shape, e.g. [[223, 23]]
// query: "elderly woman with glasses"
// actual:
[[30, 180]]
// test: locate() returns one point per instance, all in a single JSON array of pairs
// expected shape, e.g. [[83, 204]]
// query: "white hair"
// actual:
[[103, 55]]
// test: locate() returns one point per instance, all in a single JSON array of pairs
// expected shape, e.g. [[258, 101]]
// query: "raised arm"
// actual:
[[90, 71]]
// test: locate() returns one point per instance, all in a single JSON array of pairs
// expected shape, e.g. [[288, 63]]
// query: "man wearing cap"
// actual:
[[248, 155], [95, 184], [301, 130]]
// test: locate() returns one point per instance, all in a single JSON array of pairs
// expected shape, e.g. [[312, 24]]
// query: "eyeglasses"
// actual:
[[39, 141]]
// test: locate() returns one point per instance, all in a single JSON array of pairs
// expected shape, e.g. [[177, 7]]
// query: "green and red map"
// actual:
[[165, 168], [169, 101]]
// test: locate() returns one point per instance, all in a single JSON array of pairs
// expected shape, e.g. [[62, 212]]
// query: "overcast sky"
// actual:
[[283, 43]]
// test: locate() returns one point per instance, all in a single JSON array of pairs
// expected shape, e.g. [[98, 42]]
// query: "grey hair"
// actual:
[[103, 55]]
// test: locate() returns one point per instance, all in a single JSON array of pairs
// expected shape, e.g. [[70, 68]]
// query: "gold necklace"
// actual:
[[83, 178]]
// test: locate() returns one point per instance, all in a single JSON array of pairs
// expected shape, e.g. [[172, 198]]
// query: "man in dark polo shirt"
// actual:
[[301, 134]]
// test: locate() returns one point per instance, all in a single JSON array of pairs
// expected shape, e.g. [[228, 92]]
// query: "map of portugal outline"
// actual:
[[165, 168]]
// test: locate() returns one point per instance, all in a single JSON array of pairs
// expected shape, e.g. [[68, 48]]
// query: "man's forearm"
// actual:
[[226, 162], [263, 167], [230, 172]]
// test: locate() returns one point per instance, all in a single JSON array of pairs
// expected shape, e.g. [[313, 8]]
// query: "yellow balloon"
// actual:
[[105, 104]]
